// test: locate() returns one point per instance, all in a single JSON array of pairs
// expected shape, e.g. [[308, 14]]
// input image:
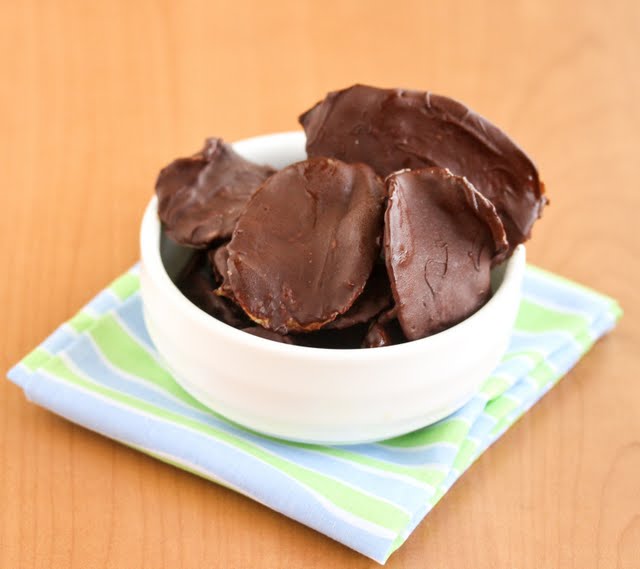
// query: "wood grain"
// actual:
[[96, 96]]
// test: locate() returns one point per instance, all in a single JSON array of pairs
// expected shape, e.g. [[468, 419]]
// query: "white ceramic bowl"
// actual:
[[311, 394]]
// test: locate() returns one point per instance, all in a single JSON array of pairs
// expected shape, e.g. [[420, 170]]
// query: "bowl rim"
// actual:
[[150, 232]]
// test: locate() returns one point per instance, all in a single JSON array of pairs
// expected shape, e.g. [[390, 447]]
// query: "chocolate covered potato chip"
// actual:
[[344, 339], [375, 297], [303, 249], [218, 258], [384, 330], [218, 261], [196, 282], [200, 198], [441, 238], [381, 334], [268, 334], [394, 129]]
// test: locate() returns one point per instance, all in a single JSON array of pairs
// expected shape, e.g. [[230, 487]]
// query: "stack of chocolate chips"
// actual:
[[387, 233]]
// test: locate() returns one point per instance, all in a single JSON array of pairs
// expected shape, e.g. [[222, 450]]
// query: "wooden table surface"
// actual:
[[96, 96]]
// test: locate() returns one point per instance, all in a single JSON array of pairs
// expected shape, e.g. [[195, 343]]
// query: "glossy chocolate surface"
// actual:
[[383, 332], [441, 238], [305, 245], [200, 198], [394, 129]]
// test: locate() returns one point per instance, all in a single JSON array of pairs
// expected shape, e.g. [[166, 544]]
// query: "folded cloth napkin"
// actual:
[[101, 370]]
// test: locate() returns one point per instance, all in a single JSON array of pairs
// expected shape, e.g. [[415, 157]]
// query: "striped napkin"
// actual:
[[101, 370]]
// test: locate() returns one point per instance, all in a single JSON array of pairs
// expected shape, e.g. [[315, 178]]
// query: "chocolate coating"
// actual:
[[305, 245], [393, 129], [268, 334], [375, 297], [200, 198], [383, 332], [196, 282], [344, 339], [377, 337], [218, 261], [441, 237]]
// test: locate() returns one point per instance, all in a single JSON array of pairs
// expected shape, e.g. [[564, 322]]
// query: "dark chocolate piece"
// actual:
[[375, 297], [345, 339], [383, 334], [441, 237], [218, 261], [377, 336], [196, 282], [268, 334], [305, 245], [200, 198], [384, 330], [393, 129]]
